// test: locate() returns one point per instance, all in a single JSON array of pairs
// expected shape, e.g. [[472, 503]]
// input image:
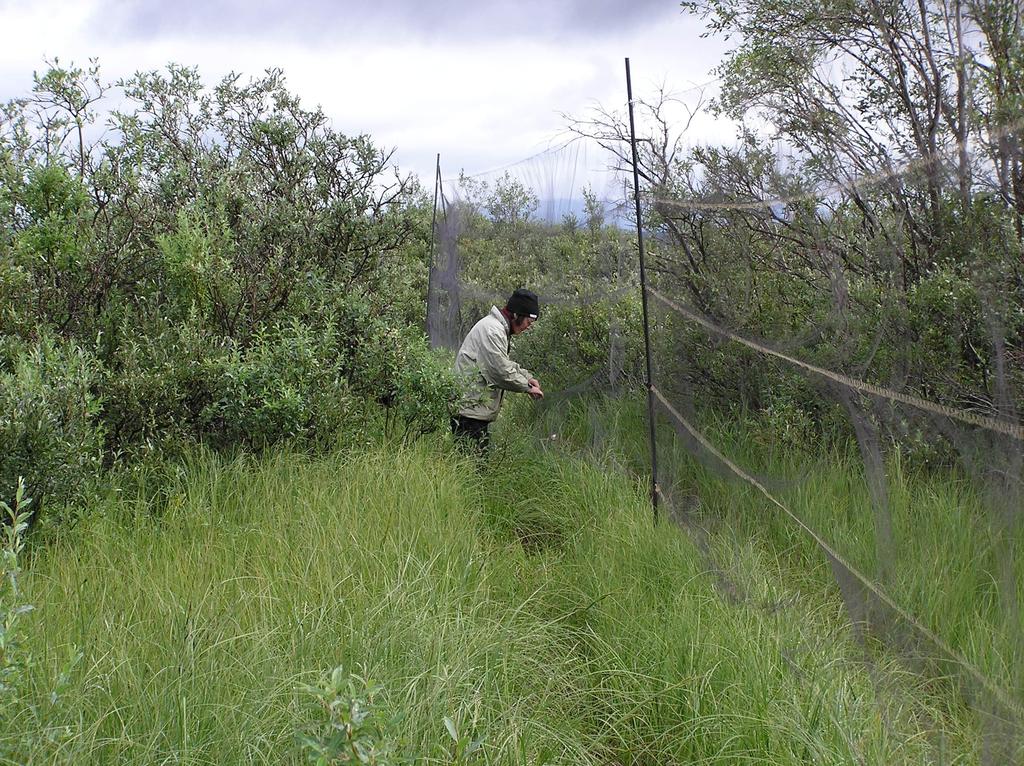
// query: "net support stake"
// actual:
[[643, 298], [431, 299]]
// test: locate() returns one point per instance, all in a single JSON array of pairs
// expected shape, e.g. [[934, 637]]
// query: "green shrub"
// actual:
[[53, 265], [395, 367], [288, 384], [570, 343], [157, 384], [306, 380], [355, 730], [48, 421], [212, 251]]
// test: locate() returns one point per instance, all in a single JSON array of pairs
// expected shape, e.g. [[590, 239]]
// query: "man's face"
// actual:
[[521, 325]]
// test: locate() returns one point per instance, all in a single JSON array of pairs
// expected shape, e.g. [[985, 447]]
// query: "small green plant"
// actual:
[[464, 745], [12, 527], [354, 731], [37, 733], [357, 732]]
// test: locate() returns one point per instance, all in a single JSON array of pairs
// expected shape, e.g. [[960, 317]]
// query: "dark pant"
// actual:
[[470, 432]]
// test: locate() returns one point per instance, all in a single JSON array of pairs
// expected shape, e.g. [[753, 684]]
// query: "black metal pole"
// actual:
[[440, 185], [643, 298], [431, 302], [437, 185]]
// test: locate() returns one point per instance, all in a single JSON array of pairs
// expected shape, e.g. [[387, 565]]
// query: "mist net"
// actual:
[[833, 381]]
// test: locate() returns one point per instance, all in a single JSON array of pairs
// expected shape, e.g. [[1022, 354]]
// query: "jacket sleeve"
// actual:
[[498, 368]]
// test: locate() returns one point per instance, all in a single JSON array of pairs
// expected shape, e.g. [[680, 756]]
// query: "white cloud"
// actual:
[[482, 102]]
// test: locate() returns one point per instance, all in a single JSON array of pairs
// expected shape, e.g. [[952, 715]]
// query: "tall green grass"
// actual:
[[952, 565], [529, 600]]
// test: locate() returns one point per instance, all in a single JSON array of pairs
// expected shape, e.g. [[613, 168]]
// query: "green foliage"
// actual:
[[310, 383], [287, 384], [415, 385], [35, 732], [52, 253], [585, 275], [241, 274], [571, 341], [157, 384], [49, 421], [252, 574], [355, 730], [465, 749], [262, 197], [846, 234], [12, 526]]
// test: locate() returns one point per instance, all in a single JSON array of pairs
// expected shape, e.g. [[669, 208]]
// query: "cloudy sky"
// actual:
[[483, 82]]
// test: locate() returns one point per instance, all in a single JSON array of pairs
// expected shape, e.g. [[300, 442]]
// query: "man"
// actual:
[[483, 360]]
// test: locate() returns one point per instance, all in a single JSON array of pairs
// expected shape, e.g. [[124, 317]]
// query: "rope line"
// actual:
[[997, 692], [1013, 430]]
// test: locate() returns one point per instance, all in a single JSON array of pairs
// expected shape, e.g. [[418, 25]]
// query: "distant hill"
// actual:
[[554, 210]]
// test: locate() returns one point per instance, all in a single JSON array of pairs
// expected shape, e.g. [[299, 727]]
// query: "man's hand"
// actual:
[[534, 390]]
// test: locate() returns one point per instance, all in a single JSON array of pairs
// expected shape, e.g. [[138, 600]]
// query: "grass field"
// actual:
[[953, 563], [529, 602]]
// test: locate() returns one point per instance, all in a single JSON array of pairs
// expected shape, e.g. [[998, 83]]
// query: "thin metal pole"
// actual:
[[643, 298], [440, 184], [431, 301]]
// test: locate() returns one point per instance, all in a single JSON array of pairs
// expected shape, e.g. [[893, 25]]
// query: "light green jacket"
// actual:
[[484, 364]]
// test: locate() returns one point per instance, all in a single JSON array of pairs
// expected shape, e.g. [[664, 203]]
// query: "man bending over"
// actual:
[[484, 362]]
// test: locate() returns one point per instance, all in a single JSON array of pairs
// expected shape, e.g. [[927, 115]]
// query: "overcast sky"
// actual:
[[483, 82]]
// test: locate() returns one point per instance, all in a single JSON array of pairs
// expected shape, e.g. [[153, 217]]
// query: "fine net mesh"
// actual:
[[531, 212], [823, 378]]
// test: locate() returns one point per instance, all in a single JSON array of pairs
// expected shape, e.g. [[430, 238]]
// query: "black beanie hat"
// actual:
[[524, 303]]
